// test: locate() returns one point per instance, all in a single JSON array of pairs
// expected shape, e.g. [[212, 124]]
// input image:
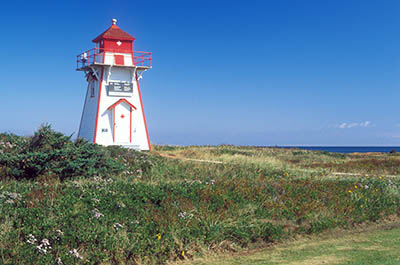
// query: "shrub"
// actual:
[[51, 153]]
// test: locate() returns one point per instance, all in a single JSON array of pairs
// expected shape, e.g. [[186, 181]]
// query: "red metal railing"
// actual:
[[89, 57]]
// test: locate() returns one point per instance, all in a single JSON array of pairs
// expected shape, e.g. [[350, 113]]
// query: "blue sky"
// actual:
[[250, 72]]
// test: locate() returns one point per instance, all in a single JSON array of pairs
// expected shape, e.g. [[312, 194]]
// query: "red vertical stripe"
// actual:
[[144, 118], [98, 106]]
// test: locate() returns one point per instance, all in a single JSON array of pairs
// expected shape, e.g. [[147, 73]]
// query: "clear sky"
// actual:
[[224, 72]]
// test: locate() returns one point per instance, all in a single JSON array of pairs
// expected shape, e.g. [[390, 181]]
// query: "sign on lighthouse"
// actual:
[[113, 110]]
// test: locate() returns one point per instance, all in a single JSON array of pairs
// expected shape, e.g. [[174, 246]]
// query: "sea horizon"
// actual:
[[347, 149]]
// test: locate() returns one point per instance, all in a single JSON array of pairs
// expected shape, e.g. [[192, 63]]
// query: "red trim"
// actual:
[[114, 125], [98, 105], [89, 57], [144, 118], [119, 102], [130, 126]]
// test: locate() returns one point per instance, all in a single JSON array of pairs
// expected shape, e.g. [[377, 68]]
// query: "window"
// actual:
[[91, 84]]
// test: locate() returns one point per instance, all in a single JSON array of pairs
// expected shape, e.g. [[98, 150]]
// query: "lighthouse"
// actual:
[[113, 109]]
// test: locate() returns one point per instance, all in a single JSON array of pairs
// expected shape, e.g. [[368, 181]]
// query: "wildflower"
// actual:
[[286, 174], [59, 261], [74, 253], [44, 246], [97, 214], [31, 239], [350, 191], [45, 242], [183, 253], [12, 197], [158, 236], [184, 215], [355, 186], [9, 201], [117, 226]]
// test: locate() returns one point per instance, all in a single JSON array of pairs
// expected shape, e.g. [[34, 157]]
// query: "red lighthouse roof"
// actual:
[[114, 33]]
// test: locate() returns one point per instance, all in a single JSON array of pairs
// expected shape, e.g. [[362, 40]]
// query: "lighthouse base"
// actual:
[[135, 147]]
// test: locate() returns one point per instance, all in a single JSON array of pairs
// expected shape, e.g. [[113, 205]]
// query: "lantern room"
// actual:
[[115, 39], [114, 47]]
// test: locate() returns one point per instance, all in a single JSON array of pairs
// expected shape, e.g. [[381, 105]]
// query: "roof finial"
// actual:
[[114, 21]]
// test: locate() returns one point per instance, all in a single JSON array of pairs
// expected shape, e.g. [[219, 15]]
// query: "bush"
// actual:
[[51, 153]]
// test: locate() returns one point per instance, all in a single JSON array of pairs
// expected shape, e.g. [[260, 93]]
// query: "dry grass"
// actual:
[[302, 163]]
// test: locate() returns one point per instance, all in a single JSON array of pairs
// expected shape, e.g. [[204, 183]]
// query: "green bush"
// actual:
[[49, 153]]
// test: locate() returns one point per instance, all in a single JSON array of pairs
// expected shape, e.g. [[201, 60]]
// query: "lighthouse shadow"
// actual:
[[108, 114]]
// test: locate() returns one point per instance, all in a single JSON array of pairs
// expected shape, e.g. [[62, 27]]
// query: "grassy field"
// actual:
[[72, 202], [297, 161], [374, 245]]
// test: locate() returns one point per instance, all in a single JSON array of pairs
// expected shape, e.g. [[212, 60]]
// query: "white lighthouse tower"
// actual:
[[113, 110]]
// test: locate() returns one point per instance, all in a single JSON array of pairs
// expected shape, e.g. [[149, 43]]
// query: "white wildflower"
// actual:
[[9, 201], [185, 215], [74, 253], [31, 239], [97, 214], [59, 261], [44, 246], [45, 242], [117, 226], [12, 197]]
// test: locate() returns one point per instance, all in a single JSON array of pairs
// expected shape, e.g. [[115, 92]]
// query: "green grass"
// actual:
[[377, 246], [97, 205]]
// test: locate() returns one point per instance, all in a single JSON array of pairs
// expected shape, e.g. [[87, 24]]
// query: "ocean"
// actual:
[[349, 149]]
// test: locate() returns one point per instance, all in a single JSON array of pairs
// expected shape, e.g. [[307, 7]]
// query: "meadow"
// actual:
[[73, 202]]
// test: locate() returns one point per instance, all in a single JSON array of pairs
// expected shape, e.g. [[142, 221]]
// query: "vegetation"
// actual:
[[376, 245], [49, 153], [68, 202]]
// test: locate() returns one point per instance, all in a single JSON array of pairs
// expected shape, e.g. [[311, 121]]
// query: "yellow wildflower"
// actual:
[[349, 191], [286, 174], [158, 236], [355, 186], [183, 253]]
